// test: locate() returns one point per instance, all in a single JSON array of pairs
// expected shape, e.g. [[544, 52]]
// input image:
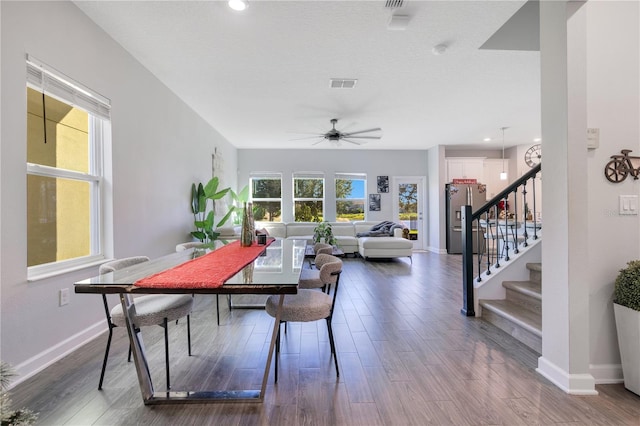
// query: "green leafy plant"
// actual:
[[323, 230], [9, 416], [238, 200], [203, 217], [627, 286]]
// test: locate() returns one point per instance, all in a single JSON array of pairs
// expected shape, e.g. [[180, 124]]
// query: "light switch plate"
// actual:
[[628, 205]]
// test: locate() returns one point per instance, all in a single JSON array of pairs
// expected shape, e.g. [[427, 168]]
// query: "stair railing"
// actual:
[[501, 228]]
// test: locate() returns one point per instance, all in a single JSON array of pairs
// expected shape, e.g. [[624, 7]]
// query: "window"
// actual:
[[66, 127], [266, 195], [350, 196], [308, 197]]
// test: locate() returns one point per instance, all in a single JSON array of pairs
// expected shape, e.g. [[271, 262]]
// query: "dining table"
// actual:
[[274, 271]]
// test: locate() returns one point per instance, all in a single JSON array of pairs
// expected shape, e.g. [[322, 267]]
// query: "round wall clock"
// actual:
[[533, 155]]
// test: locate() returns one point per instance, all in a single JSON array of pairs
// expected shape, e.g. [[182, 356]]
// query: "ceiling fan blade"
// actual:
[[362, 131], [361, 137], [307, 137], [316, 143], [353, 142]]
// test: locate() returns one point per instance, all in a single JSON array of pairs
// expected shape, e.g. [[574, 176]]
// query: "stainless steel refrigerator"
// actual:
[[456, 196]]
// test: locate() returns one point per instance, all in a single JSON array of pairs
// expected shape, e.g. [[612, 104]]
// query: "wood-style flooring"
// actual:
[[406, 354]]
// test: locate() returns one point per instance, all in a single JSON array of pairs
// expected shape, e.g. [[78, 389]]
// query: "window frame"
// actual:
[[352, 176], [264, 176], [41, 78], [308, 175]]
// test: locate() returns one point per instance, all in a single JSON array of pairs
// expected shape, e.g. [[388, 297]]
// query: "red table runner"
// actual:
[[208, 271]]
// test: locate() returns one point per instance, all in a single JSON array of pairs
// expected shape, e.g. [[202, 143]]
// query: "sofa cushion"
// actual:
[[300, 229], [384, 242]]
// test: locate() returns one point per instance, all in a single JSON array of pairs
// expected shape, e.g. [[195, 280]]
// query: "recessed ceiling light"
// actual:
[[487, 139], [238, 4], [537, 139]]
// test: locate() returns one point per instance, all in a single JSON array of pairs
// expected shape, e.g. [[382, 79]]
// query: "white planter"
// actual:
[[628, 326]]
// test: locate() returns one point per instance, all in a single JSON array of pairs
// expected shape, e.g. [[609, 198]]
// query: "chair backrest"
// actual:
[[330, 269], [189, 245], [115, 265], [322, 248]]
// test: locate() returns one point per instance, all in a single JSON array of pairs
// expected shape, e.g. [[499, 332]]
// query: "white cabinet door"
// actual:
[[465, 168]]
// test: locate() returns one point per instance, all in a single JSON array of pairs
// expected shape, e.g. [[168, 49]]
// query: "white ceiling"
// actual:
[[261, 77]]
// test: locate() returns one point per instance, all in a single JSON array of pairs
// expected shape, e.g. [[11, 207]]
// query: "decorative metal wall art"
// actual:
[[621, 165]]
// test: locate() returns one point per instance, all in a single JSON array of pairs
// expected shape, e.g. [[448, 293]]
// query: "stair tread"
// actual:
[[523, 317], [535, 266], [530, 288]]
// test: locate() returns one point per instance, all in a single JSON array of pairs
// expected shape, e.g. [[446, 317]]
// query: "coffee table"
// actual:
[[310, 252]]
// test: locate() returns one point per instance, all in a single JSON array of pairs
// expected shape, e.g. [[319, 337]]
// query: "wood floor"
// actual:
[[406, 354]]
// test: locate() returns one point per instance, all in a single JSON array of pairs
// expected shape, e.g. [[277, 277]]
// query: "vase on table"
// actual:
[[247, 233]]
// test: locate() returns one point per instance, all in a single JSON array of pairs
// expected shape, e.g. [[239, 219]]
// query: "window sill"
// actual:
[[39, 273]]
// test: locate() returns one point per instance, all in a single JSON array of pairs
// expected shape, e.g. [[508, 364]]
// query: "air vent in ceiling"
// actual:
[[393, 4], [342, 83]]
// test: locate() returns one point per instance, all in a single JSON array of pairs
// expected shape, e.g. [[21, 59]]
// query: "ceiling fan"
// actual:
[[336, 136]]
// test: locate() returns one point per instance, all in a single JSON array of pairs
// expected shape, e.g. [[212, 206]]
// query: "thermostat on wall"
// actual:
[[593, 138]]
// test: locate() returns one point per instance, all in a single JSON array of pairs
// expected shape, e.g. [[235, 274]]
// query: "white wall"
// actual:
[[613, 106], [160, 146], [373, 163], [436, 218]]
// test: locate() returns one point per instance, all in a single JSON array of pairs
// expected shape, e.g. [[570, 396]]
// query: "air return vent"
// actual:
[[342, 83], [393, 4]]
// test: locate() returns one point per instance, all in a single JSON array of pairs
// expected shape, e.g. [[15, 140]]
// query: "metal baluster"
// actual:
[[506, 232], [497, 236], [535, 215], [524, 197], [487, 240], [515, 228], [480, 250]]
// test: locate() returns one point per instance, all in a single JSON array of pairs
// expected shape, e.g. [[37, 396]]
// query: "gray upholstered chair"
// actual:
[[152, 309], [189, 245], [321, 276], [198, 244], [308, 305], [319, 248]]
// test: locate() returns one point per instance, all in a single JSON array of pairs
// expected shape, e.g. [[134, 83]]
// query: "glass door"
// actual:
[[408, 196]]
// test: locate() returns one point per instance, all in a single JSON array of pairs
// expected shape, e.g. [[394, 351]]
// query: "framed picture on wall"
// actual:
[[374, 202], [383, 184]]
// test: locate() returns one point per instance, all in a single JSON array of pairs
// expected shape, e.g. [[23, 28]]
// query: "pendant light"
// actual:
[[503, 174]]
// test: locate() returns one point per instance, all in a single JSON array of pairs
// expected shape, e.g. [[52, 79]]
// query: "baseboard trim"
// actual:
[[573, 384], [607, 374], [437, 250], [44, 359]]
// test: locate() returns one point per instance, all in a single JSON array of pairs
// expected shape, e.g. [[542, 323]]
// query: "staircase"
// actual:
[[520, 313]]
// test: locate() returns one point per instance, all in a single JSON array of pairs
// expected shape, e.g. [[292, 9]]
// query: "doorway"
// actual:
[[408, 195]]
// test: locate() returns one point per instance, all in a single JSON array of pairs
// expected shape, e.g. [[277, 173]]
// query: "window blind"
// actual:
[[53, 83]]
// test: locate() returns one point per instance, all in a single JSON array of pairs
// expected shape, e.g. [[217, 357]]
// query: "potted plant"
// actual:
[[9, 416], [626, 306], [203, 217], [324, 232], [238, 200]]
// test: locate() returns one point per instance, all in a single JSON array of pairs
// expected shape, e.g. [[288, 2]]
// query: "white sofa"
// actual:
[[346, 239]]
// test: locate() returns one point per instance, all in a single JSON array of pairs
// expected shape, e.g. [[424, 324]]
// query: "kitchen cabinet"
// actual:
[[465, 168]]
